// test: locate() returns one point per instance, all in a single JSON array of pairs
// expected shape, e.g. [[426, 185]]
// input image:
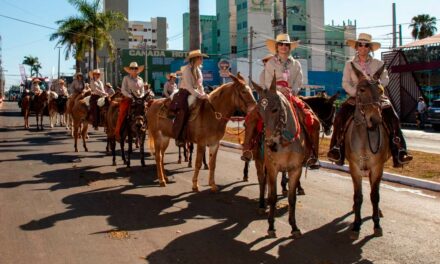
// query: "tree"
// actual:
[[423, 26], [90, 28], [33, 63], [194, 28]]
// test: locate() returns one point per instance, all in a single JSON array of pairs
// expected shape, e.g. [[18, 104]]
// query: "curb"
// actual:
[[391, 177]]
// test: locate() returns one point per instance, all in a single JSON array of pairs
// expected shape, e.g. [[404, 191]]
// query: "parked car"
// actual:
[[433, 116]]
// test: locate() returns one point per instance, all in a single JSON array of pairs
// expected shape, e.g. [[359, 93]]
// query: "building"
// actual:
[[337, 52], [208, 32], [2, 75], [226, 28], [152, 34]]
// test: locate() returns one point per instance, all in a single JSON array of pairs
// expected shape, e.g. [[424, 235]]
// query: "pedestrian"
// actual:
[[132, 84], [421, 109], [364, 62], [170, 86]]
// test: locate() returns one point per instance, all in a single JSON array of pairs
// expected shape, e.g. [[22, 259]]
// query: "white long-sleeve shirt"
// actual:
[[132, 85], [189, 83], [289, 71], [97, 87]]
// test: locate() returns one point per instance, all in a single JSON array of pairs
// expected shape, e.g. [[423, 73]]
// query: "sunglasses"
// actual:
[[366, 45], [133, 68], [283, 44]]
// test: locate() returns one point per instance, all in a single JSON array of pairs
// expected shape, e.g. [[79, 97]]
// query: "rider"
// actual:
[[109, 89], [131, 84], [98, 91], [289, 77], [62, 93], [364, 62], [190, 84], [170, 86]]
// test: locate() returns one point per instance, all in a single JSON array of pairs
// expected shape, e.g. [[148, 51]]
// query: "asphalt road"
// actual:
[[58, 206]]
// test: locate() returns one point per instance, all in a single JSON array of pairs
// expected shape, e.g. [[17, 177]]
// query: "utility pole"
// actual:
[[331, 59], [194, 25], [59, 51], [394, 26], [284, 17], [105, 69], [251, 46], [400, 35]]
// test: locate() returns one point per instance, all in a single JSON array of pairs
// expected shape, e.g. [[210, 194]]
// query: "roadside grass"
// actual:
[[424, 165]]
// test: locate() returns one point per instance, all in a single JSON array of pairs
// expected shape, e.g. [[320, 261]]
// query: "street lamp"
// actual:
[[59, 52]]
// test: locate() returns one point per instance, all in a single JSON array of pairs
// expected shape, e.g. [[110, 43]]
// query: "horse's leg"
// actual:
[[213, 150], [122, 143], [36, 117], [294, 176], [205, 166], [159, 160], [75, 131], [113, 148], [246, 171], [272, 200], [130, 148], [299, 189], [180, 154], [41, 121], [357, 198], [142, 142], [284, 182], [198, 165], [375, 198], [164, 146], [262, 179], [189, 153], [84, 135]]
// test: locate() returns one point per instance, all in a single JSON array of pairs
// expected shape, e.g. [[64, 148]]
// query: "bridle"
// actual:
[[219, 116]]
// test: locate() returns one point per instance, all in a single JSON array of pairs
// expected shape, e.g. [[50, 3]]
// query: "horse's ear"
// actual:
[[379, 72], [334, 97], [273, 85], [240, 77], [234, 79], [257, 87], [358, 73]]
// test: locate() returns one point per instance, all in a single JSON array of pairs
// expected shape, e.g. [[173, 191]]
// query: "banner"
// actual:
[[22, 72]]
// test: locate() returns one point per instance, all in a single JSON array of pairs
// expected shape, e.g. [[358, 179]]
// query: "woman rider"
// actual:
[[364, 62]]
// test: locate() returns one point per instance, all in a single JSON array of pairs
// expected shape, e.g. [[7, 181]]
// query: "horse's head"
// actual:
[[138, 111], [324, 108], [368, 98], [242, 95], [272, 107]]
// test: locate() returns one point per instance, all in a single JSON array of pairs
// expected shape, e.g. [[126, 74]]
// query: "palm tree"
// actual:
[[33, 63], [423, 26], [91, 28], [194, 28]]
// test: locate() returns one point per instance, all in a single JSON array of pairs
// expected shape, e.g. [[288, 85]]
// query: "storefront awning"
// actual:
[[422, 42]]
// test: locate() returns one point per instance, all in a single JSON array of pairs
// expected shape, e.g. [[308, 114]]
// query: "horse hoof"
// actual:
[[86, 150], [296, 234], [271, 234], [114, 163], [186, 160], [214, 189], [354, 235], [301, 192], [261, 211], [76, 150], [179, 161], [206, 168], [380, 213], [284, 193], [195, 189], [189, 165], [378, 232], [245, 179], [163, 184]]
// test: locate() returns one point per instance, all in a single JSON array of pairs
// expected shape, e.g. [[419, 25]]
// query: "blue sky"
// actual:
[[20, 39]]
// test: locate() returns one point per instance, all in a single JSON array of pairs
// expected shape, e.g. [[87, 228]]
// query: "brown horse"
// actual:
[[79, 114], [39, 103], [367, 147], [112, 118], [26, 109], [206, 125], [284, 149]]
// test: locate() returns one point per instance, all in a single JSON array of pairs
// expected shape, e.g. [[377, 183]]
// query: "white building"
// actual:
[[153, 34]]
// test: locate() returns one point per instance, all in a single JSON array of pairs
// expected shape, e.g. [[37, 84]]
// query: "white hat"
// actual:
[[281, 38], [134, 64], [364, 38]]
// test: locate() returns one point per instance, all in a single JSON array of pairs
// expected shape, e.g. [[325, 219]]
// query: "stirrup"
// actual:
[[245, 157], [403, 162], [313, 163], [332, 151]]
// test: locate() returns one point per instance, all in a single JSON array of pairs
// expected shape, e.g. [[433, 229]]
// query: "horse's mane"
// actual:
[[216, 93]]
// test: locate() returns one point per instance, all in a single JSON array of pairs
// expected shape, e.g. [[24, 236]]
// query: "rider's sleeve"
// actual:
[[297, 78], [347, 81], [124, 88]]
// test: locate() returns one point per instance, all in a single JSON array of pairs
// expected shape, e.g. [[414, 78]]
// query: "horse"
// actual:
[[135, 126], [324, 108], [57, 106], [206, 125], [79, 114], [367, 146], [187, 151], [26, 109], [285, 149], [39, 103]]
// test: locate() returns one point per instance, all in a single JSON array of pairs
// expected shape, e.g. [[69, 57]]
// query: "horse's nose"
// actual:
[[251, 108]]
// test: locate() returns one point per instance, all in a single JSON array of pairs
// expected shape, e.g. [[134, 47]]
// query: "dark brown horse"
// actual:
[[206, 125], [38, 103], [367, 147], [284, 149]]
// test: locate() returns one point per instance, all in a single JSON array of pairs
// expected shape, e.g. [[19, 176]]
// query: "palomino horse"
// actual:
[[79, 114], [284, 149], [135, 126], [205, 128], [367, 146], [324, 109]]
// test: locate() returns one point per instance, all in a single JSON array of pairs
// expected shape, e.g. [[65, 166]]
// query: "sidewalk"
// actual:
[[391, 177]]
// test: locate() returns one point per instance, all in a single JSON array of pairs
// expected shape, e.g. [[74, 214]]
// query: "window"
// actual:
[[234, 49], [298, 28], [336, 43], [329, 42], [154, 31], [239, 26], [244, 5], [244, 24], [218, 33]]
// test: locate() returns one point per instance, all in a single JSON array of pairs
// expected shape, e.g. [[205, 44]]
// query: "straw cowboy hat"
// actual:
[[109, 85], [134, 64], [364, 38], [94, 72], [266, 58], [61, 81], [78, 74], [36, 80], [195, 53], [281, 38], [171, 75]]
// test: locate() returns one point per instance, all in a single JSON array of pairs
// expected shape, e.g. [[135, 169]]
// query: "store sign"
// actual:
[[158, 53], [224, 66]]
